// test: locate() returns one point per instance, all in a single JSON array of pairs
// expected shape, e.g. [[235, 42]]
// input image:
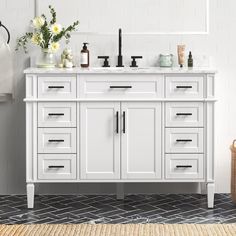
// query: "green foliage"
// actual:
[[65, 32], [54, 15], [44, 34], [22, 41]]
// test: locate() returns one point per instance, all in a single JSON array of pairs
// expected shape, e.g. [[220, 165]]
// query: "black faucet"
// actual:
[[120, 58]]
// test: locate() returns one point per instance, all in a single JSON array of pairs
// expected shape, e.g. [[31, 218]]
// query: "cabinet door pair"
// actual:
[[120, 140]]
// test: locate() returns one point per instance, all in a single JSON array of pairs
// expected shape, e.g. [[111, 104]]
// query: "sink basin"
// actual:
[[119, 68]]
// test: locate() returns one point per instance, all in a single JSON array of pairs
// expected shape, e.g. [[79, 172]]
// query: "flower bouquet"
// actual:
[[46, 34]]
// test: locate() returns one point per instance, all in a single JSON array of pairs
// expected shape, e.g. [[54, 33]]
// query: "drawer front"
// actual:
[[56, 114], [184, 166], [184, 114], [57, 87], [184, 140], [56, 166], [57, 140], [184, 87], [124, 86]]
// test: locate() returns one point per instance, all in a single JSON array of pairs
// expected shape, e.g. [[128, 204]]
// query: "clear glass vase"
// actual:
[[46, 59]]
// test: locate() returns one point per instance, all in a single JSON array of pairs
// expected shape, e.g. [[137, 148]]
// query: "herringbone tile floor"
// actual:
[[189, 208]]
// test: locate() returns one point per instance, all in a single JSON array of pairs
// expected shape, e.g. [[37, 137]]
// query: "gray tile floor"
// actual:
[[73, 209]]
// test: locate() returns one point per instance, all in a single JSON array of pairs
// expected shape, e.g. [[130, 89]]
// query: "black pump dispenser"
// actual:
[[84, 56], [85, 46]]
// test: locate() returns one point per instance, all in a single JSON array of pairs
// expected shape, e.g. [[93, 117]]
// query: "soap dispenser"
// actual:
[[84, 56]]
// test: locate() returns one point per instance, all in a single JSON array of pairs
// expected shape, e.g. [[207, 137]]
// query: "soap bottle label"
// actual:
[[84, 58]]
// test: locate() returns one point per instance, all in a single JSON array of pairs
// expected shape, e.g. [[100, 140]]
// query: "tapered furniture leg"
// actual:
[[30, 195], [120, 194], [210, 194]]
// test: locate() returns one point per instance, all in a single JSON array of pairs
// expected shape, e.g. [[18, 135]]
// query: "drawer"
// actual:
[[56, 166], [184, 166], [124, 86], [57, 140], [57, 87], [184, 140], [184, 87], [57, 114], [184, 114]]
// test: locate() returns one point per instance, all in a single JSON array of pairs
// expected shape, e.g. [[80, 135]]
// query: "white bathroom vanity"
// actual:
[[120, 125]]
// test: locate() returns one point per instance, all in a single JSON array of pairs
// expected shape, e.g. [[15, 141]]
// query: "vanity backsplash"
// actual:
[[147, 60]]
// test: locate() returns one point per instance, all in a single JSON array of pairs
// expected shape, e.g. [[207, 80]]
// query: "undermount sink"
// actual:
[[120, 68]]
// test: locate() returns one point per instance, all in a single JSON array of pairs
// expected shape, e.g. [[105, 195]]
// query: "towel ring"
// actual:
[[8, 33]]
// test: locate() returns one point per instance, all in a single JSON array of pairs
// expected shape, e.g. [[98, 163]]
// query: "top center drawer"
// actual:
[[127, 86]]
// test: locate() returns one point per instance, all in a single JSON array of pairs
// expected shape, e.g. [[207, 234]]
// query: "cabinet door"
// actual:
[[141, 140], [100, 140]]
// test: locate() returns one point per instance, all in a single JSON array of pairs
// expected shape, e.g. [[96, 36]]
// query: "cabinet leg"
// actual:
[[210, 194], [30, 195], [120, 194]]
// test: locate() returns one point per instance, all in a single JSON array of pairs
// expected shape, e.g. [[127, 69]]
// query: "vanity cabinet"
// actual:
[[141, 140], [125, 137], [100, 140], [119, 125]]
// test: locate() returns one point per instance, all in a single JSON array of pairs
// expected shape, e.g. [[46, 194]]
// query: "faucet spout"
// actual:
[[120, 42], [120, 57]]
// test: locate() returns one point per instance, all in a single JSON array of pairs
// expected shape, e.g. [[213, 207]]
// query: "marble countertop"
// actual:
[[120, 70]]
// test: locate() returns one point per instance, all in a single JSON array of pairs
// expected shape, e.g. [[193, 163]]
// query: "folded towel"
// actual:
[[6, 69]]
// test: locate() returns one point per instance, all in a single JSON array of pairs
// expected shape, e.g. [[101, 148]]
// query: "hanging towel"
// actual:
[[6, 68]]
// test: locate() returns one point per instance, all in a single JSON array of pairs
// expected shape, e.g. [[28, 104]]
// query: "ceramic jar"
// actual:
[[166, 60]]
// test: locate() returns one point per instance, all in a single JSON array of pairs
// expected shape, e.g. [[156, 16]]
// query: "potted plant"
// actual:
[[46, 34]]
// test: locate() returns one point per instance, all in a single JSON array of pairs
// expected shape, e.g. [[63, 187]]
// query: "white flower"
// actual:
[[54, 46], [37, 39], [56, 28], [38, 22]]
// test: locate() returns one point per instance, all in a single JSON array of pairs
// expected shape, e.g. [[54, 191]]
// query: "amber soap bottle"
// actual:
[[84, 56]]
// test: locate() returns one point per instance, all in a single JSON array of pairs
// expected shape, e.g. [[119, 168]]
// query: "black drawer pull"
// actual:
[[184, 166], [184, 86], [121, 87], [56, 140], [56, 167], [56, 114], [184, 114], [184, 140], [56, 87]]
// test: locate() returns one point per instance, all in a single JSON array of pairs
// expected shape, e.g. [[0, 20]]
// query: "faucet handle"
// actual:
[[106, 62], [134, 63]]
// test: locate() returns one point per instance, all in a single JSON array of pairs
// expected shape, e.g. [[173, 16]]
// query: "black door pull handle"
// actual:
[[124, 122], [56, 140], [117, 122], [56, 167]]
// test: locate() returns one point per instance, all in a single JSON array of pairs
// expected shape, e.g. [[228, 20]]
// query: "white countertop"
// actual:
[[119, 70]]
